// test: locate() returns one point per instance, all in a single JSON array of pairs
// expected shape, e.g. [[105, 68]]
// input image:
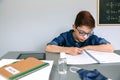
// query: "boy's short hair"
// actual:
[[84, 18]]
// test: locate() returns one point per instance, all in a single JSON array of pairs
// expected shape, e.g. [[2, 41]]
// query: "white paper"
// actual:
[[7, 61], [105, 57], [84, 58], [2, 78], [38, 75], [79, 59]]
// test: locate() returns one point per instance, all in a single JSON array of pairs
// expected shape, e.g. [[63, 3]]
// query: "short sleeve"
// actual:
[[58, 40], [103, 41], [98, 40]]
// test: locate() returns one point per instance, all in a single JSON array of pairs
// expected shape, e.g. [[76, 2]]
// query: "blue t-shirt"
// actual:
[[66, 39]]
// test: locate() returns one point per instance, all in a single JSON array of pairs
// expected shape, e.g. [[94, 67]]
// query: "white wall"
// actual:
[[27, 25]]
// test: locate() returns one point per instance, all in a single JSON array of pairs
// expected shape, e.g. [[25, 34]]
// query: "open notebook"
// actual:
[[33, 76], [91, 57]]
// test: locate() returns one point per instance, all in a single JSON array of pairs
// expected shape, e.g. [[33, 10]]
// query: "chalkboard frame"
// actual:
[[98, 13]]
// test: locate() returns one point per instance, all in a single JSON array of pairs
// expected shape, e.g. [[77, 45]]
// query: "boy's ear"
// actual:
[[73, 27]]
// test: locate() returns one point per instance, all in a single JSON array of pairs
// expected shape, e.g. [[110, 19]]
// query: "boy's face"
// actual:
[[81, 33]]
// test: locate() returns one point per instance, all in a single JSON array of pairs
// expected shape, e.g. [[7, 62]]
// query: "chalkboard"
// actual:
[[108, 12]]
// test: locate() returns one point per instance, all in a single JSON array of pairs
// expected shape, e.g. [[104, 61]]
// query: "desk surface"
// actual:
[[109, 70]]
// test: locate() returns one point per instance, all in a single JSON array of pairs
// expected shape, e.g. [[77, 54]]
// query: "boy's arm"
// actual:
[[102, 47], [58, 49]]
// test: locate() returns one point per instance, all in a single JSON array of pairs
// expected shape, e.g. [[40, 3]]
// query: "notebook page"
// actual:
[[105, 57], [79, 59]]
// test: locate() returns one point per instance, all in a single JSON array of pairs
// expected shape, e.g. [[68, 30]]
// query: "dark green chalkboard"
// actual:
[[109, 12]]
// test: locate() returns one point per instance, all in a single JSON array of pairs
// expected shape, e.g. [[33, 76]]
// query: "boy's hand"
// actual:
[[74, 50]]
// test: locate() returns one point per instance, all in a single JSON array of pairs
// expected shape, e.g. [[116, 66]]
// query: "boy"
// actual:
[[80, 37]]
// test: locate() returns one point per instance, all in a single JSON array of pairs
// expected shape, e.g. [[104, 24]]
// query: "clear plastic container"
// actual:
[[62, 64]]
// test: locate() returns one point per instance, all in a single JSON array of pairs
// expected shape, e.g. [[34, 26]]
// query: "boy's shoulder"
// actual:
[[94, 37], [67, 32]]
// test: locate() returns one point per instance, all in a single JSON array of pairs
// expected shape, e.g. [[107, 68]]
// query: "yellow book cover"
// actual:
[[21, 68]]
